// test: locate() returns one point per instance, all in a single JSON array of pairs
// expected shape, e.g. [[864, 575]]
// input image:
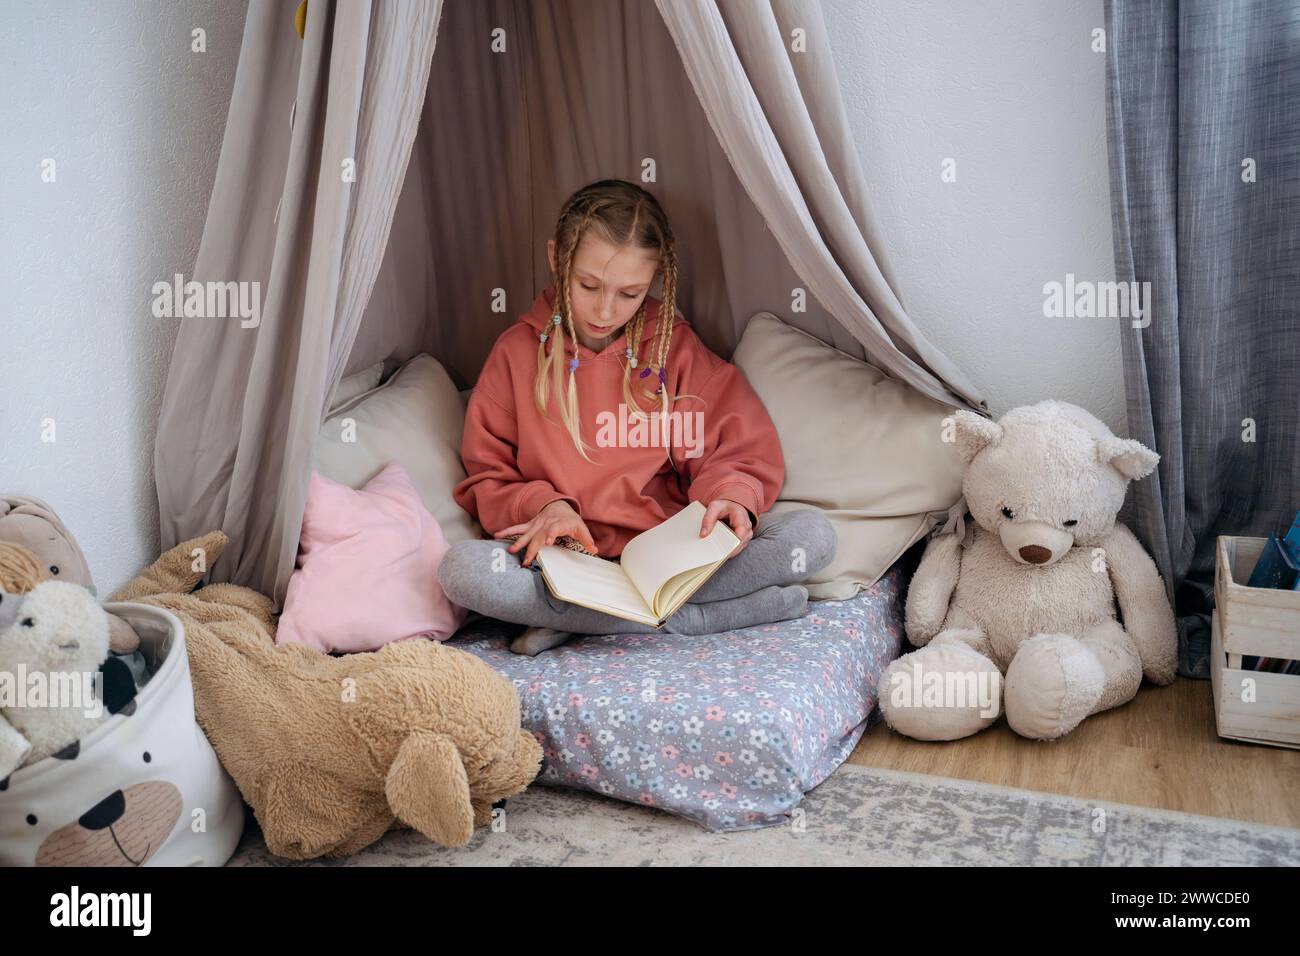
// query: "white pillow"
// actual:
[[864, 448], [358, 383], [416, 418]]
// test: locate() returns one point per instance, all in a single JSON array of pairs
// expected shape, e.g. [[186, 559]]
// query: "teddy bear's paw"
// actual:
[[941, 692], [1052, 684]]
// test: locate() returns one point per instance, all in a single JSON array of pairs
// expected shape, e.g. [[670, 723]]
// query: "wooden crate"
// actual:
[[1254, 621]]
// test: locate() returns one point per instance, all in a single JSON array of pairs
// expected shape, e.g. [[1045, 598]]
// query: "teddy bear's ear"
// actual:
[[1130, 457], [974, 434]]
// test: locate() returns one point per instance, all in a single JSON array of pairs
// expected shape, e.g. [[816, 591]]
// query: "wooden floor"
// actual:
[[1159, 750]]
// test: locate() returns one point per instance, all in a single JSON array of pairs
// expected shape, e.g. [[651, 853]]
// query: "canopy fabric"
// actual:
[[241, 406], [439, 244]]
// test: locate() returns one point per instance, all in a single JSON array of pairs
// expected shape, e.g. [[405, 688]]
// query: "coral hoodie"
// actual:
[[721, 445]]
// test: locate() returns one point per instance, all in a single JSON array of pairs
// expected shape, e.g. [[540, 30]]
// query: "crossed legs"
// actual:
[[756, 586]]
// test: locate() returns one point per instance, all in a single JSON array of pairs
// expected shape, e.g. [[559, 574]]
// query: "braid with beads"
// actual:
[[623, 213]]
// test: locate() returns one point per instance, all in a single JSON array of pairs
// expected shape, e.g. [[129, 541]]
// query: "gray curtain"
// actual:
[[1203, 98], [242, 406], [735, 102]]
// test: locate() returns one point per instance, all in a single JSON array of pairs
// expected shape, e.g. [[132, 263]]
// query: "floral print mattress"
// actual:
[[729, 730]]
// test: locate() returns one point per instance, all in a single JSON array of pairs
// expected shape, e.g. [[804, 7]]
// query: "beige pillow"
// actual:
[[865, 449], [358, 383], [415, 418]]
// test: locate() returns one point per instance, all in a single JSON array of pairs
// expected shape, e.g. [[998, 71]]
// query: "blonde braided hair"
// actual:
[[623, 213]]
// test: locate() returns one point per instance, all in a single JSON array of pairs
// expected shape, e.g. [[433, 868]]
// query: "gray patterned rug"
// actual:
[[858, 816]]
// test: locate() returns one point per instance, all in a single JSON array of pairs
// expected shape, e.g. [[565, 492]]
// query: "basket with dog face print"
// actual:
[[143, 788]]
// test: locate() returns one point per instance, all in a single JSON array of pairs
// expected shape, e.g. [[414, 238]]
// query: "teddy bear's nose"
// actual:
[[1035, 554]]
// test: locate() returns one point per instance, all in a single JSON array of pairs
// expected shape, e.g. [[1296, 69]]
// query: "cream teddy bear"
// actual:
[[1018, 614]]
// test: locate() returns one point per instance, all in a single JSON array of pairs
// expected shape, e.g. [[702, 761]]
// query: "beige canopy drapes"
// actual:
[[728, 110]]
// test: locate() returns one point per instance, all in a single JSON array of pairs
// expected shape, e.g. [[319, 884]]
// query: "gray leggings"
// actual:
[[757, 586]]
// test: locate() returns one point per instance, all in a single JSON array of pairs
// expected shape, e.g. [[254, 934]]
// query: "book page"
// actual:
[[588, 580], [654, 557], [675, 592]]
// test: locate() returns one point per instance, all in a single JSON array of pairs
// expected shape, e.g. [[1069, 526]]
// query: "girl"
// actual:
[[597, 348]]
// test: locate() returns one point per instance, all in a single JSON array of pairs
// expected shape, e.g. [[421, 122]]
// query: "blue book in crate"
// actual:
[[1292, 540], [1278, 567]]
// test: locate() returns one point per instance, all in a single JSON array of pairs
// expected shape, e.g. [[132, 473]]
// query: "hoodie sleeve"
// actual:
[[740, 455], [493, 490]]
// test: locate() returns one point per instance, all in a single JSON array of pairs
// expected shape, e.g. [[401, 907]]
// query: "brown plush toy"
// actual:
[[332, 752], [20, 570], [31, 523]]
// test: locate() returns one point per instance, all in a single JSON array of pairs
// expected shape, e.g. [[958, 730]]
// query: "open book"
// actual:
[[661, 568]]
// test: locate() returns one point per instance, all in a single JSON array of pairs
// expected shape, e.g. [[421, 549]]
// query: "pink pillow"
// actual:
[[367, 568]]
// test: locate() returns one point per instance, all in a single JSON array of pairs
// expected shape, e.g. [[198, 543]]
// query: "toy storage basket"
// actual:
[[145, 788]]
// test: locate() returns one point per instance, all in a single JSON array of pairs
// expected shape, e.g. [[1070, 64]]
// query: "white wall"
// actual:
[[111, 91], [1012, 91], [133, 118]]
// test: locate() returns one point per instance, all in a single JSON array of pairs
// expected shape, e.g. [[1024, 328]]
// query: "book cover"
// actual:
[[1275, 567]]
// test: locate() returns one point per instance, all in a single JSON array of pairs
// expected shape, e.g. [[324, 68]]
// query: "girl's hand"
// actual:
[[737, 517], [554, 521]]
